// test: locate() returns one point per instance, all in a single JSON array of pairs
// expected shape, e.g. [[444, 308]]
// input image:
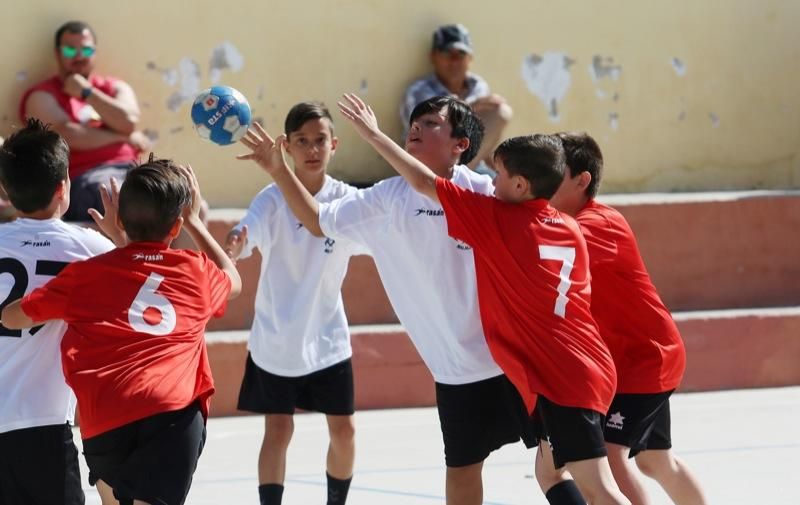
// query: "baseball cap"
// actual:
[[449, 37]]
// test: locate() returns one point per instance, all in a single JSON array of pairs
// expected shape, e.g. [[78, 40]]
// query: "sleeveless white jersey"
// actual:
[[429, 277], [32, 388], [299, 325]]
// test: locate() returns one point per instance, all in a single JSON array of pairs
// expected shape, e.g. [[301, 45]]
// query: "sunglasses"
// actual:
[[71, 52]]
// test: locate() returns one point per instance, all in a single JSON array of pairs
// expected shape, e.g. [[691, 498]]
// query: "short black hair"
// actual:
[[465, 123], [34, 161], [151, 199], [303, 112], [538, 158], [73, 27], [583, 155]]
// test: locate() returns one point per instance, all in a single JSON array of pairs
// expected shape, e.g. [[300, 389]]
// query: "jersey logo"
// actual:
[[615, 421], [329, 242], [148, 257], [429, 212], [299, 225], [552, 220], [463, 246], [35, 243]]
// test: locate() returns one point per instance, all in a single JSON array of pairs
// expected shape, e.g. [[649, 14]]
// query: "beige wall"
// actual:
[[726, 116]]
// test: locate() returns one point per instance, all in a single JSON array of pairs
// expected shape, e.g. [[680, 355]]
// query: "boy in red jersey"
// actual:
[[643, 339], [533, 288], [134, 351]]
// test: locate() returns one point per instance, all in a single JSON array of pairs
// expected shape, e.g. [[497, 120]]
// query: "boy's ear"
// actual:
[[334, 143], [462, 145], [176, 228], [584, 179]]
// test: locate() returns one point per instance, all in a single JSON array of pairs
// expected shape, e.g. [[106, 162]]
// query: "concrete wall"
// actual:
[[682, 95]]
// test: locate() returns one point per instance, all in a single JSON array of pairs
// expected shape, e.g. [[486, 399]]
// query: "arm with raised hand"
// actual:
[[269, 154], [202, 237], [363, 119], [108, 222]]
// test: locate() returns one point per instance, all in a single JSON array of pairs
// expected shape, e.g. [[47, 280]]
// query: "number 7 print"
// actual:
[[566, 255]]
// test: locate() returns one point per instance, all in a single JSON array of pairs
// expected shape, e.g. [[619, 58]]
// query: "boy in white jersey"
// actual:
[[299, 346], [38, 459], [430, 281]]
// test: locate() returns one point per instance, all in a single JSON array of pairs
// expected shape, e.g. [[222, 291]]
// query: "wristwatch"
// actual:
[[86, 93]]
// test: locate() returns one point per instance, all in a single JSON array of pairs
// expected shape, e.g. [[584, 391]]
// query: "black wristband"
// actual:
[[86, 93]]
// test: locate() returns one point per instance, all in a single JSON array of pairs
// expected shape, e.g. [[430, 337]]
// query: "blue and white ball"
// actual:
[[221, 115]]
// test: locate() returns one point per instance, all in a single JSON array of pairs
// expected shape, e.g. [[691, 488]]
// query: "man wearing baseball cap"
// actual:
[[451, 56]]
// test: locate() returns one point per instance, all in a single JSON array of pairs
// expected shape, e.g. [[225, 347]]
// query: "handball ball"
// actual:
[[221, 115]]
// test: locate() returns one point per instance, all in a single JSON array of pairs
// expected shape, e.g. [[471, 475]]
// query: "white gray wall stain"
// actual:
[[714, 119], [604, 70], [679, 66], [224, 57], [548, 78]]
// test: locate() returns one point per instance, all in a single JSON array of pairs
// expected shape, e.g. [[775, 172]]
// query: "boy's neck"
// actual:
[[41, 215], [312, 182]]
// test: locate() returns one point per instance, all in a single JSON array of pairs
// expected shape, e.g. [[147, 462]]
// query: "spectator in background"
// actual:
[[451, 56], [97, 115]]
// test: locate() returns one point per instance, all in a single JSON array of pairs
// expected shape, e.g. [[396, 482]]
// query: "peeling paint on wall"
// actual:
[[714, 119], [613, 120], [679, 66], [224, 56], [548, 78], [22, 76], [603, 67], [363, 88]]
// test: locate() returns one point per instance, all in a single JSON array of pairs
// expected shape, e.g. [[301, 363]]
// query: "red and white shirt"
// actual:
[[534, 295], [134, 345], [641, 335]]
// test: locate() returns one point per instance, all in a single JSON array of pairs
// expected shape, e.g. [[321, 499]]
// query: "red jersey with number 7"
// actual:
[[134, 345], [532, 270], [644, 340]]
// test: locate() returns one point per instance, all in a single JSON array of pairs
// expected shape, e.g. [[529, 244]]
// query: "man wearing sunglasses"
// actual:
[[96, 115]]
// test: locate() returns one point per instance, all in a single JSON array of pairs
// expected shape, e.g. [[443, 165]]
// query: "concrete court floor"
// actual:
[[744, 445]]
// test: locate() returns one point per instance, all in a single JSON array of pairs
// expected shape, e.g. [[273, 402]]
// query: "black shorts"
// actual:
[[329, 391], [480, 417], [39, 466], [152, 459], [639, 421], [574, 434], [84, 193]]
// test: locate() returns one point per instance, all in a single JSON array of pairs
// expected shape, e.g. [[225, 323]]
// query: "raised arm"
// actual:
[[363, 119], [269, 154], [202, 237], [119, 112]]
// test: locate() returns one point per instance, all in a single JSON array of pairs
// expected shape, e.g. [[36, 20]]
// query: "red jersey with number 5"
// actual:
[[134, 345], [644, 340], [533, 290]]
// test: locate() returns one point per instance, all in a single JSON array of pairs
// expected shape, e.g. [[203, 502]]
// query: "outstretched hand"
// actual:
[[235, 242], [108, 222], [192, 211], [359, 114], [268, 153]]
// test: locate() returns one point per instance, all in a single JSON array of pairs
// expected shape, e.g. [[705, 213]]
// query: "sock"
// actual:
[[565, 493], [270, 494], [337, 489]]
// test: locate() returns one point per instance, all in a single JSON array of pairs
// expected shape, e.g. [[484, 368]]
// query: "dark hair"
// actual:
[[464, 122], [73, 27], [305, 111], [34, 161], [583, 155], [151, 199], [538, 158]]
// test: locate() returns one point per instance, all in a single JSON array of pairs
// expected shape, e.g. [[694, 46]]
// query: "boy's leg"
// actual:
[[464, 485], [106, 493], [658, 462], [278, 431], [341, 456], [673, 475], [276, 397], [576, 436], [556, 483], [625, 474], [476, 419]]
